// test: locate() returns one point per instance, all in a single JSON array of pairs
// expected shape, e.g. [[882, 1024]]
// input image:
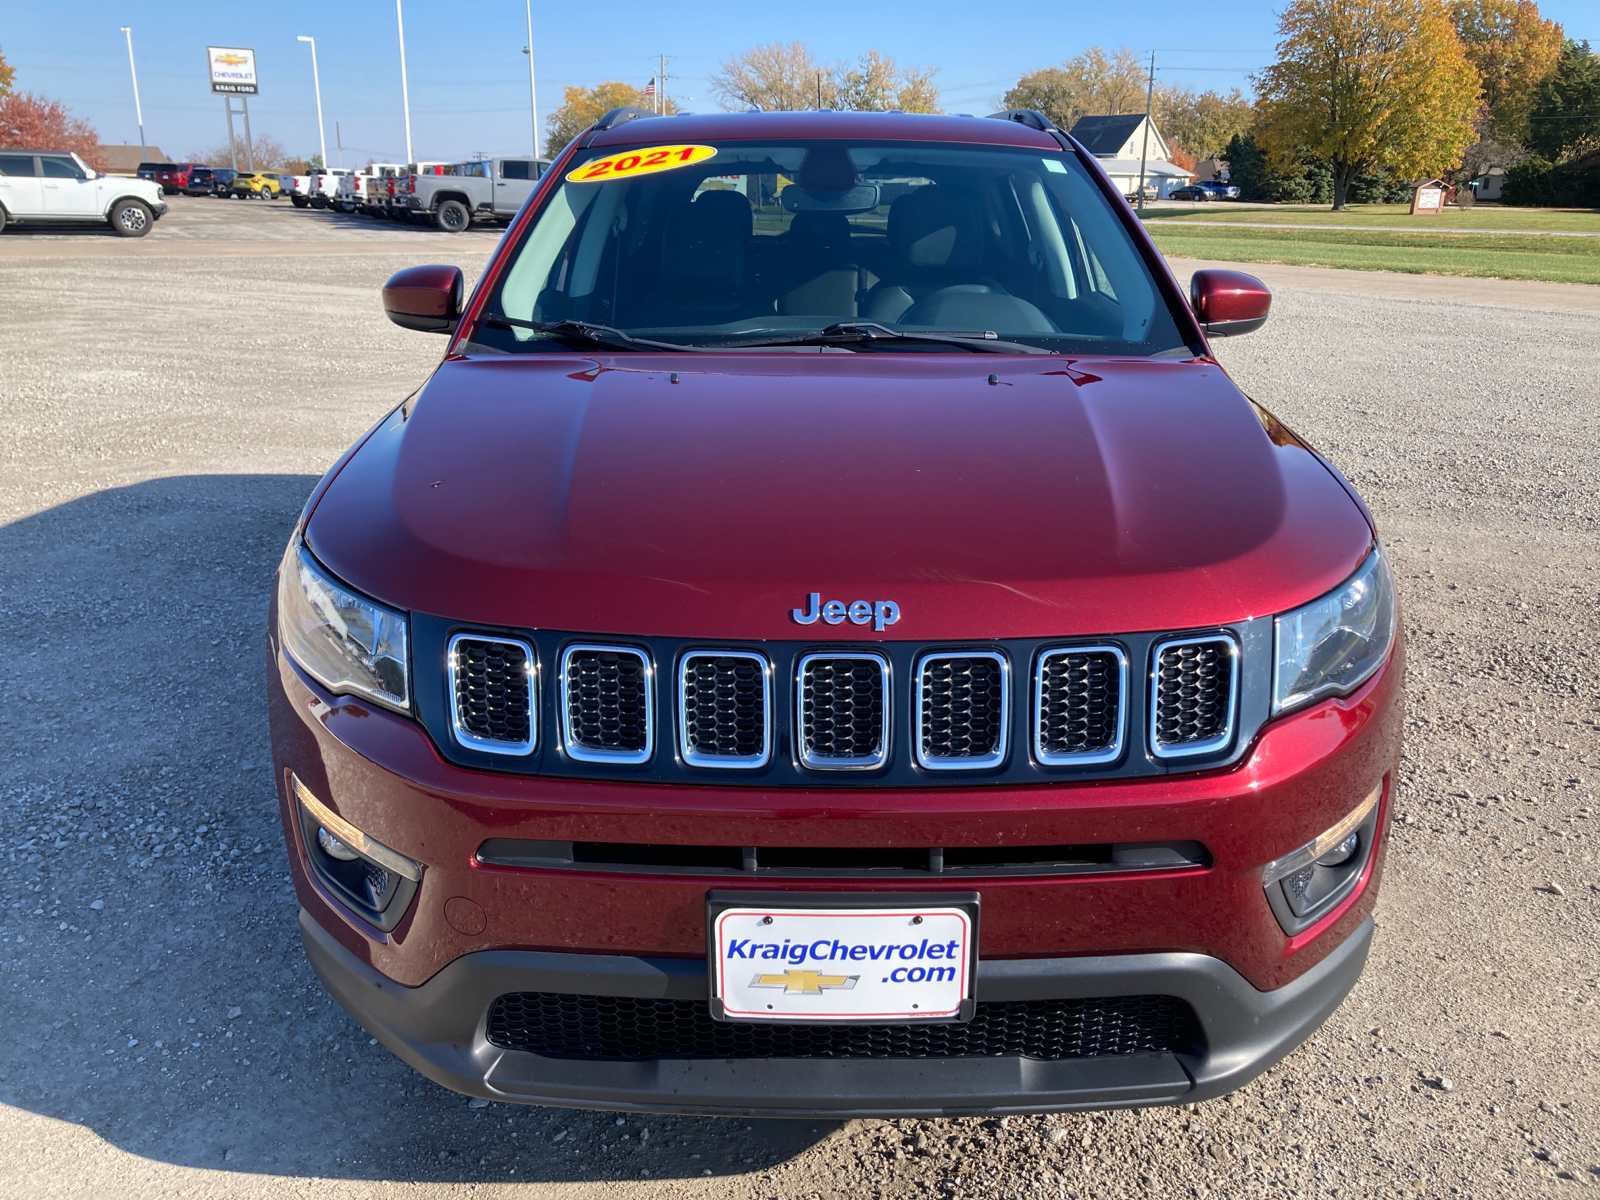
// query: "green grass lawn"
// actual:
[[1482, 218], [1501, 256]]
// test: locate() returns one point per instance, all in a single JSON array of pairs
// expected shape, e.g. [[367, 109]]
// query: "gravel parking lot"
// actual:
[[167, 404]]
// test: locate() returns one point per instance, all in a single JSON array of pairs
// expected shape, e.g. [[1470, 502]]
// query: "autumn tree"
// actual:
[[1092, 84], [782, 77], [8, 75], [32, 121], [582, 107], [1201, 122], [1513, 49], [1363, 84]]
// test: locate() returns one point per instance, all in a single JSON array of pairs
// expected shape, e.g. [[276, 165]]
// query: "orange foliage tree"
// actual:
[[31, 122]]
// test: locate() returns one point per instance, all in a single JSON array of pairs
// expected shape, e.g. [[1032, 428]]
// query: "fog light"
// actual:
[[333, 847], [1303, 887], [1327, 845], [376, 882]]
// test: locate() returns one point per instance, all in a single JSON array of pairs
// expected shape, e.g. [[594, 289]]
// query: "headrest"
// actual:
[[935, 227], [822, 229], [827, 169], [703, 246]]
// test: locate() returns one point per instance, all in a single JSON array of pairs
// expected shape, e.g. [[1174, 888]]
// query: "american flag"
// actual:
[[650, 88]]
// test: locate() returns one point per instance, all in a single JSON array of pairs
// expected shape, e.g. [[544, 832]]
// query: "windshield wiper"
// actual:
[[588, 330], [864, 333]]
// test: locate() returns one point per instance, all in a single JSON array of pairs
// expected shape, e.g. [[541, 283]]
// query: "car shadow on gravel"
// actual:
[[151, 976]]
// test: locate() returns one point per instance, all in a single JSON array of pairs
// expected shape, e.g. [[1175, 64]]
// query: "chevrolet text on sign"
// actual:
[[841, 964]]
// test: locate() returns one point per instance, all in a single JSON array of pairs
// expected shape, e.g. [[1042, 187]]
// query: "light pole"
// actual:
[[533, 99], [405, 94], [137, 110], [316, 82]]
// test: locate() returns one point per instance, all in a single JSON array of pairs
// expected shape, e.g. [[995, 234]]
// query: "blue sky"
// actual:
[[468, 77]]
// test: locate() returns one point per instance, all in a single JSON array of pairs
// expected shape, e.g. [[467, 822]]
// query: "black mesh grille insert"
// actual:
[[1079, 702], [842, 706], [494, 691], [1194, 692], [625, 1027], [607, 695], [724, 706], [963, 707]]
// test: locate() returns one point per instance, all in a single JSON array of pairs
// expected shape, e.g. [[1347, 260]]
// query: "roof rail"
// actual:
[[1031, 117], [621, 116]]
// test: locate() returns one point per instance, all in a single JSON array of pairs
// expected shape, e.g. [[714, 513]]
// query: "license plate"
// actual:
[[884, 959]]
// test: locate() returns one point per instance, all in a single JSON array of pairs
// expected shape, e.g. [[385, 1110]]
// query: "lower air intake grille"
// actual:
[[1079, 695], [1194, 695], [961, 710], [843, 706], [624, 1027], [491, 685], [724, 710], [606, 703]]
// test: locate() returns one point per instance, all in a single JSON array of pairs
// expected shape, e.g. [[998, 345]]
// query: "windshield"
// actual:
[[742, 243]]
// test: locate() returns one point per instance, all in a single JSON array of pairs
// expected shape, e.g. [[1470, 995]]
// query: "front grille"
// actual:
[[491, 689], [1192, 708], [843, 705], [1079, 695], [723, 710], [605, 704], [626, 1027], [962, 710]]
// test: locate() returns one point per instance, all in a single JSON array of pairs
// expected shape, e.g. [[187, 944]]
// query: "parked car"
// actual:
[[174, 177], [996, 712], [452, 199], [1221, 190], [261, 185], [325, 185], [357, 190], [1193, 191], [149, 170], [210, 181], [46, 186]]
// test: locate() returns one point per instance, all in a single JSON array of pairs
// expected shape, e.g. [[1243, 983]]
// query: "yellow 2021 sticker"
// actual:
[[640, 162]]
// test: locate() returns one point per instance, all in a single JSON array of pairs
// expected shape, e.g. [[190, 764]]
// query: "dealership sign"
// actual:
[[233, 71]]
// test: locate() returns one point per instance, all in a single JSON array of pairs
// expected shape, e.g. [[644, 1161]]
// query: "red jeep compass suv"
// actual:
[[829, 639]]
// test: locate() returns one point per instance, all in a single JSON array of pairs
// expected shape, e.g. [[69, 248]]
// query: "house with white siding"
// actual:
[[1118, 141]]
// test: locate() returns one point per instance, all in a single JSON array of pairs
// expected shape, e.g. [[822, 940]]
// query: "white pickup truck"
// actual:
[[493, 187], [57, 186], [317, 188], [359, 189]]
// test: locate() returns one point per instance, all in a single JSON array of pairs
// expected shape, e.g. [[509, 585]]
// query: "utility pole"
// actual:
[[316, 82], [1144, 150], [661, 88], [138, 111], [405, 94], [819, 90], [339, 137], [533, 98]]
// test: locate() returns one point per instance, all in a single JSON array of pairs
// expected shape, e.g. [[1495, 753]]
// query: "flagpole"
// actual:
[[405, 93], [533, 98]]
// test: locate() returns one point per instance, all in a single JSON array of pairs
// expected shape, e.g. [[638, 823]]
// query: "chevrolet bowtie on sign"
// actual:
[[842, 964], [233, 70]]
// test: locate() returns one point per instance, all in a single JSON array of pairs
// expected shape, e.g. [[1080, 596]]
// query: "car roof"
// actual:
[[889, 127]]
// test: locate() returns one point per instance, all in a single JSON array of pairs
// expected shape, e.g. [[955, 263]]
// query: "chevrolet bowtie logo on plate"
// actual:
[[804, 983], [232, 60]]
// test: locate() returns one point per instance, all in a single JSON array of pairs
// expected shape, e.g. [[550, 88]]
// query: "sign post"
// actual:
[[233, 73]]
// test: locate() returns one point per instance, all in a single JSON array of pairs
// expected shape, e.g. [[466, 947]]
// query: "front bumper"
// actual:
[[440, 1029]]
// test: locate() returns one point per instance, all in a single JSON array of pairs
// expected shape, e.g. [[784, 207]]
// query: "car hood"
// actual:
[[1051, 498]]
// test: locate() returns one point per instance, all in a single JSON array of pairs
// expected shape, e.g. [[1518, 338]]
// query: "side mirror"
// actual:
[[425, 298], [1228, 303]]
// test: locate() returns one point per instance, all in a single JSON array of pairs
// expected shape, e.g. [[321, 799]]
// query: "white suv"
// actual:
[[54, 185]]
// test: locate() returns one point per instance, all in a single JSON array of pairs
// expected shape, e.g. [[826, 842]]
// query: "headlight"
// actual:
[[1333, 645], [344, 641]]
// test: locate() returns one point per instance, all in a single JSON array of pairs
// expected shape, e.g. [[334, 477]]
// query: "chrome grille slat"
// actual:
[[963, 710], [1080, 698], [1193, 695], [842, 711], [492, 697], [724, 709], [607, 713]]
